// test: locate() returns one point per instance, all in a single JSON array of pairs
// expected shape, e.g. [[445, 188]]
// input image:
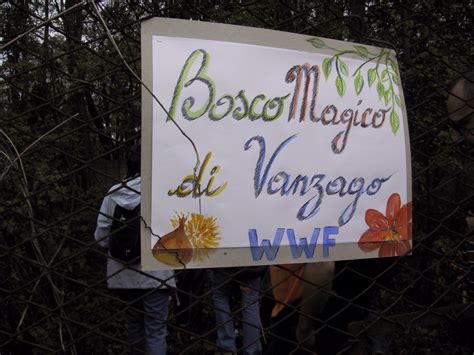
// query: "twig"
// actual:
[[17, 154], [45, 134], [36, 247], [3, 46], [36, 141], [23, 314], [135, 75]]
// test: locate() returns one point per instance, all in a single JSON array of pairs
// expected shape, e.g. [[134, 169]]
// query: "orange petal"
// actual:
[[403, 222], [389, 249], [386, 250], [371, 240], [393, 206], [376, 220], [402, 247]]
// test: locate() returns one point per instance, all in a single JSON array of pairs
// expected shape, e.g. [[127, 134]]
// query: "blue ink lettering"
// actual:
[[266, 246], [259, 180], [296, 249], [282, 183], [328, 242]]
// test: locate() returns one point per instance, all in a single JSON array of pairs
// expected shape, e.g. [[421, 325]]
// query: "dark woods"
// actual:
[[71, 111]]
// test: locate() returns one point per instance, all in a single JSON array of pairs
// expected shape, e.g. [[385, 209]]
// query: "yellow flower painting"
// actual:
[[202, 232]]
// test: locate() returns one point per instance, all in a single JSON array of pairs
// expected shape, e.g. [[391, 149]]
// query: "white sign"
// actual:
[[301, 153]]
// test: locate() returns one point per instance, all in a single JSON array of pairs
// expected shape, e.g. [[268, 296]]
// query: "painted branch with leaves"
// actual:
[[385, 75]]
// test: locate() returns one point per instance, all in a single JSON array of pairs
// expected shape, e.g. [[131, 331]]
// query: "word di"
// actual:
[[191, 184]]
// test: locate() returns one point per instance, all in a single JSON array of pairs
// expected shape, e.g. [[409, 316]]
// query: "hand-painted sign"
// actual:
[[300, 148]]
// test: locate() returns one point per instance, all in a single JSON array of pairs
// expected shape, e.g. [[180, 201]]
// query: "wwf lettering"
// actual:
[[298, 246]]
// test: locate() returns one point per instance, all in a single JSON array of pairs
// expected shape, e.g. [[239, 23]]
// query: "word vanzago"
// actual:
[[317, 185]]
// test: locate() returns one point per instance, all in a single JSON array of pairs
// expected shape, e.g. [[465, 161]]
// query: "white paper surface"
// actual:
[[256, 205]]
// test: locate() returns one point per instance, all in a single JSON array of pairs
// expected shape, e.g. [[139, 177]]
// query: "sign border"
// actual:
[[218, 32]]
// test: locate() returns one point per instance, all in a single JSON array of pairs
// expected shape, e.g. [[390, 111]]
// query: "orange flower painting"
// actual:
[[389, 233]]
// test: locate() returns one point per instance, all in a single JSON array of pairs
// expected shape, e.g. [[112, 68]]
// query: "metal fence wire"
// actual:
[[70, 111]]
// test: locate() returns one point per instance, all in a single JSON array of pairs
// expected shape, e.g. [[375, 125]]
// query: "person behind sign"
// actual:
[[460, 107], [146, 294], [248, 280], [468, 256]]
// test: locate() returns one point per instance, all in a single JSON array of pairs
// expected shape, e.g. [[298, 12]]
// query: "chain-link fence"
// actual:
[[71, 111]]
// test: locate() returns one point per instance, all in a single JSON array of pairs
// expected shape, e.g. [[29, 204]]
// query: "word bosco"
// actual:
[[240, 106]]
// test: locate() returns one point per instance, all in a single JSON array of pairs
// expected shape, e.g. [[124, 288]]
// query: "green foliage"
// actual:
[[386, 79], [327, 67], [394, 121], [362, 51], [340, 86], [358, 83], [317, 43], [50, 74], [371, 76]]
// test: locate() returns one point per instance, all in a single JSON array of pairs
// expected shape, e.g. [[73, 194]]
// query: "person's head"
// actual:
[[470, 214], [461, 106], [134, 161]]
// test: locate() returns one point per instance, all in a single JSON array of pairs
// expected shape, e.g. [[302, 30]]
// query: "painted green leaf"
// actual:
[[398, 100], [340, 86], [317, 42], [344, 68], [358, 83], [362, 51], [387, 96], [394, 67], [394, 121], [385, 75], [371, 75], [380, 90], [395, 79], [327, 66]]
